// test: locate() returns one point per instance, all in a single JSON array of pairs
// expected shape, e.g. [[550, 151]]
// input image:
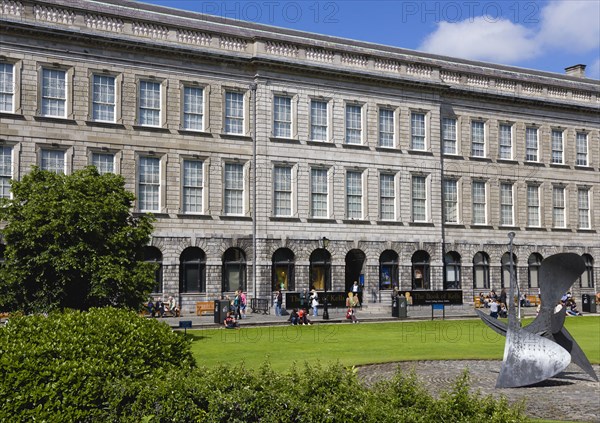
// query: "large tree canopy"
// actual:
[[72, 242]]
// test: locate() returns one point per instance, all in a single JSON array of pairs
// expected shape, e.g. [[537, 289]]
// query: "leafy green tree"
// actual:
[[72, 242]]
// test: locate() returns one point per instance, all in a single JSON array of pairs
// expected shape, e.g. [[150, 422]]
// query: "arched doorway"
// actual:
[[452, 270], [481, 271], [505, 276], [320, 270], [420, 270], [388, 270], [234, 270], [355, 260], [153, 255], [192, 270], [283, 270], [534, 263]]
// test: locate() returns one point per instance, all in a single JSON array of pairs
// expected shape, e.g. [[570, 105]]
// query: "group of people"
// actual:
[[299, 317], [352, 303], [158, 308], [237, 306], [496, 303], [567, 301]]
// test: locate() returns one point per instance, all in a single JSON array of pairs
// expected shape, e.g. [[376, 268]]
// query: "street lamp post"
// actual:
[[325, 244]]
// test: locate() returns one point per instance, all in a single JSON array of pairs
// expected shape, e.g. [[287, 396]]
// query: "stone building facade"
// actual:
[[274, 158]]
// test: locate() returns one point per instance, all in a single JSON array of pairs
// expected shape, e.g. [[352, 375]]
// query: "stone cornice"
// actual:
[[148, 24]]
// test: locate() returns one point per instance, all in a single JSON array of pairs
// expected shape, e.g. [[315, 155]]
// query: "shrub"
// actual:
[[64, 366]]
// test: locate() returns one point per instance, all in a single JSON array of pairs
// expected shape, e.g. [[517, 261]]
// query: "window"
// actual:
[[505, 141], [557, 147], [586, 280], [320, 269], [534, 263], [6, 171], [54, 93], [386, 127], [387, 197], [7, 87], [533, 206], [153, 255], [103, 98], [234, 270], [282, 117], [558, 207], [193, 108], [481, 271], [419, 198], [150, 103], [53, 161], [505, 264], [193, 186], [478, 138], [479, 203], [353, 124], [282, 187], [449, 135], [417, 131], [531, 144], [388, 270], [104, 162], [234, 189], [581, 146], [149, 184], [420, 270], [452, 270], [506, 204], [283, 270], [354, 195], [450, 192], [192, 270], [319, 193], [234, 112], [318, 120], [583, 204]]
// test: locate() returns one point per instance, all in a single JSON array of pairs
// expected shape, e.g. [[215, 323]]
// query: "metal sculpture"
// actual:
[[543, 348]]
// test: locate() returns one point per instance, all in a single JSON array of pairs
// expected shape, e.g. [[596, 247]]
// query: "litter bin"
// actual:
[[588, 303], [399, 307], [221, 309]]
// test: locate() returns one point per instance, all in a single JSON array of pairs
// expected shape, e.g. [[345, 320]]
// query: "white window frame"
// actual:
[[204, 113], [449, 136], [282, 190], [414, 135], [12, 87], [159, 183], [581, 140], [117, 84], [385, 193], [449, 200], [227, 211], [507, 202], [559, 206], [584, 217], [353, 195], [534, 219], [244, 118], [162, 102], [189, 186], [475, 140], [532, 146], [7, 170], [68, 91], [414, 199], [503, 145], [42, 151], [327, 193], [291, 123], [361, 129], [557, 146], [484, 203], [328, 124], [385, 130], [103, 154]]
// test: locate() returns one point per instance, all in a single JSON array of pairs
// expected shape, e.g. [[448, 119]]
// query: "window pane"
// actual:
[[234, 188], [192, 186], [583, 203], [319, 193], [558, 207], [5, 171], [419, 199], [282, 117], [149, 184], [557, 147], [54, 92], [479, 203], [450, 191], [449, 135], [387, 194], [149, 103], [386, 128], [505, 141], [478, 139], [582, 149], [353, 124], [103, 98], [506, 204], [234, 113], [282, 181], [417, 131], [104, 162], [533, 206], [354, 195], [53, 161], [7, 87], [531, 144], [318, 120], [193, 108]]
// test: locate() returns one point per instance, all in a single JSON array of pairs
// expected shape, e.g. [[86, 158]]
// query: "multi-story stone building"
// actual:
[[276, 158]]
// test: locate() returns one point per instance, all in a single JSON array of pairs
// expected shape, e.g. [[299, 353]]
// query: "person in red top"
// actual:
[[302, 316]]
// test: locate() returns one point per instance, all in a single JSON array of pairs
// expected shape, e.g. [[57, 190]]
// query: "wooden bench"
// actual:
[[477, 302], [534, 300], [207, 307]]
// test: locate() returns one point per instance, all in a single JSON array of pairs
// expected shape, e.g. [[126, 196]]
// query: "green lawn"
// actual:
[[368, 342]]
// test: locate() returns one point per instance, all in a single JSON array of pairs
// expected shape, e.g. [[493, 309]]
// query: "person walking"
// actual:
[[314, 302], [278, 302]]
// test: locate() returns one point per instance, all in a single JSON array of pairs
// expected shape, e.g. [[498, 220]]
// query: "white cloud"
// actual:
[[482, 39], [571, 24]]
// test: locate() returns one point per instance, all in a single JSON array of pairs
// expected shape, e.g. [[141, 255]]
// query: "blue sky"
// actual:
[[535, 34]]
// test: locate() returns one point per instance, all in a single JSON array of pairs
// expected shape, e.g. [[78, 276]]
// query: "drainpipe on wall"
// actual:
[[254, 194], [443, 222]]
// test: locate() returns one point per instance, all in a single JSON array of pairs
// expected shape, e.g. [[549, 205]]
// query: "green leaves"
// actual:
[[71, 242]]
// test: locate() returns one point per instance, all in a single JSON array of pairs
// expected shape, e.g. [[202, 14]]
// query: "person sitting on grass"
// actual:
[[230, 322]]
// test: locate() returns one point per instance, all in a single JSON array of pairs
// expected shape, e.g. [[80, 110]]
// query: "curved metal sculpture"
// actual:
[[544, 348]]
